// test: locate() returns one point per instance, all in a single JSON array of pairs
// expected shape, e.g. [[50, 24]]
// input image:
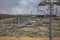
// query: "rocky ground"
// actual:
[[29, 27]]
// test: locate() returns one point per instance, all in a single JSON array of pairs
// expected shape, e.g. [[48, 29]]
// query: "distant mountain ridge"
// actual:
[[5, 16], [2, 16]]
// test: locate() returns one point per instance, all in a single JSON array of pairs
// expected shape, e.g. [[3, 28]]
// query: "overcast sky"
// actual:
[[19, 6]]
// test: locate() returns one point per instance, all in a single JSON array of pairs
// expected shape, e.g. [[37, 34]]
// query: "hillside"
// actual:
[[29, 26]]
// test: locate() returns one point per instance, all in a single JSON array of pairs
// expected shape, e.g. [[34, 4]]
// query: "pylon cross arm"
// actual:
[[48, 3]]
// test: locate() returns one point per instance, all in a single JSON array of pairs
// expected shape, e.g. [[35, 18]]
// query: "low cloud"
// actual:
[[18, 6]]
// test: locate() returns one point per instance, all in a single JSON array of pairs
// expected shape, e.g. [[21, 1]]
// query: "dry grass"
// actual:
[[25, 38]]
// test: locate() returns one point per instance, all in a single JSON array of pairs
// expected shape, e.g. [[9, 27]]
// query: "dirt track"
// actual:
[[25, 38]]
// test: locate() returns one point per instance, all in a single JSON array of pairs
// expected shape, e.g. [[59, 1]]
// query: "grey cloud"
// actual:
[[25, 6], [7, 5], [18, 6]]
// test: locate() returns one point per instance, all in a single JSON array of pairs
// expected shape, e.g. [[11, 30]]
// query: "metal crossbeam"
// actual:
[[48, 3]]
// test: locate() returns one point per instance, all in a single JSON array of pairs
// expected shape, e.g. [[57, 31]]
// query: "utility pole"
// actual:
[[51, 3], [18, 20], [51, 21]]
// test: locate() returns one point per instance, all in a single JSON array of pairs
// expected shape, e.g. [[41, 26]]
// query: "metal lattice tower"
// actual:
[[51, 3]]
